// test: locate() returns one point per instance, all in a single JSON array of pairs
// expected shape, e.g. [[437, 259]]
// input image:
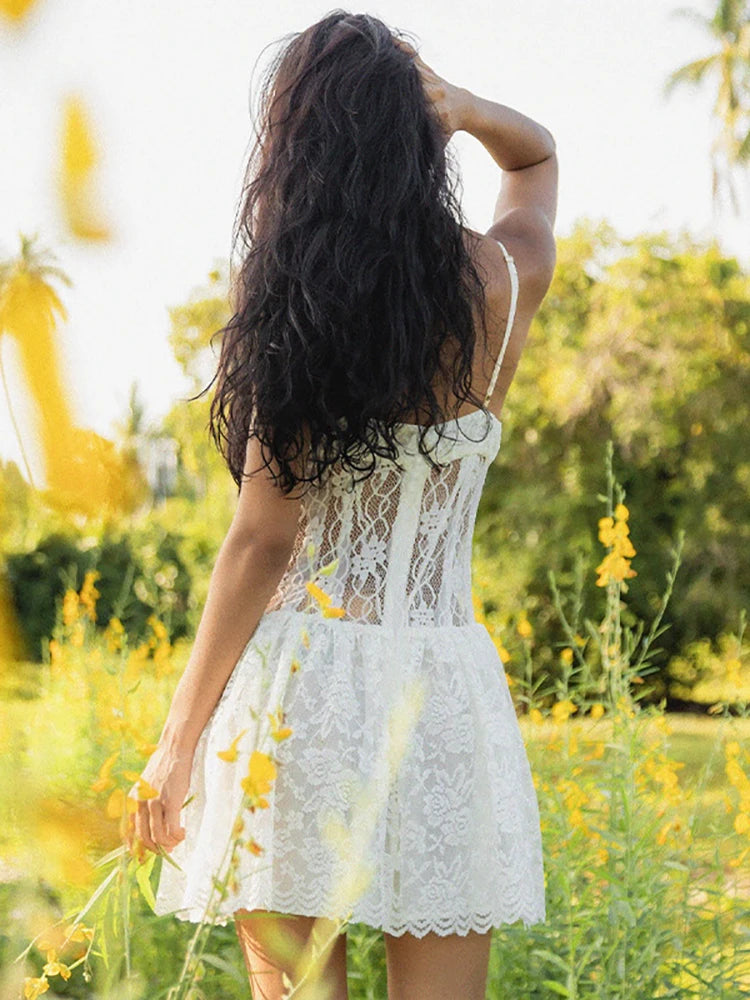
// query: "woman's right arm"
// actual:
[[524, 149]]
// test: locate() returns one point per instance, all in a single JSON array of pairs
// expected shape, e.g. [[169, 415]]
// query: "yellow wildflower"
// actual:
[[158, 627], [104, 780], [118, 802], [562, 710], [79, 157], [597, 711], [566, 655], [278, 731], [536, 716], [732, 749], [294, 666], [89, 593], [260, 775], [230, 754], [70, 607], [503, 653], [79, 932], [253, 846], [318, 593], [524, 629], [614, 534], [113, 634], [55, 653], [333, 612], [54, 968], [742, 823], [144, 790], [34, 987], [733, 670]]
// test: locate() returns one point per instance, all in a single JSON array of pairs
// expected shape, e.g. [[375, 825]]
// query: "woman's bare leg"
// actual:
[[435, 967], [274, 943]]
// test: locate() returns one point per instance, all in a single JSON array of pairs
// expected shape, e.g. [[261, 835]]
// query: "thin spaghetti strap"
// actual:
[[509, 325]]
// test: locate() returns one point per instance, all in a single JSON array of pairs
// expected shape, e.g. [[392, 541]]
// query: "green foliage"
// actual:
[[644, 342], [140, 574]]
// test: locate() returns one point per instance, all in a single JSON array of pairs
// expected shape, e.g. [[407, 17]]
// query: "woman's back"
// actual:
[[399, 541]]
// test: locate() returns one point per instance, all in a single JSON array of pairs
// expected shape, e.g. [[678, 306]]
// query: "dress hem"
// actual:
[[419, 928]]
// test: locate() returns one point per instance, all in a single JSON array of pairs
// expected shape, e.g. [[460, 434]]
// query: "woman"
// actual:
[[358, 402]]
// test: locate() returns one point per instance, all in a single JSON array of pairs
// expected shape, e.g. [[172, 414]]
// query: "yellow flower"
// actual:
[[34, 987], [70, 607], [742, 823], [253, 846], [78, 932], [278, 731], [15, 10], [79, 157], [230, 755], [118, 802], [536, 716], [597, 711], [562, 710], [144, 790], [260, 775], [320, 595], [524, 629], [113, 634], [54, 968], [104, 780], [294, 666], [614, 534], [566, 655], [158, 627], [732, 749], [503, 653], [333, 612], [55, 653], [89, 593]]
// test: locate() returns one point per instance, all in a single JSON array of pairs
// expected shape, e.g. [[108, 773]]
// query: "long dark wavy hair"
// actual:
[[353, 293]]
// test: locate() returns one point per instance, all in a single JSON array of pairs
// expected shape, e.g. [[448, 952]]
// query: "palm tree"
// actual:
[[728, 67]]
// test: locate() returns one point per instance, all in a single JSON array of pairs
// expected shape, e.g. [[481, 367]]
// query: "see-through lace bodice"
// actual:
[[402, 538]]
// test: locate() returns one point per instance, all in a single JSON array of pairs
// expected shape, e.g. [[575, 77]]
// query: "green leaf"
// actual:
[[142, 874], [562, 991]]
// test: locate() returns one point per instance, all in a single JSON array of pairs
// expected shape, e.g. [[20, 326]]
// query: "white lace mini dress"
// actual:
[[403, 797]]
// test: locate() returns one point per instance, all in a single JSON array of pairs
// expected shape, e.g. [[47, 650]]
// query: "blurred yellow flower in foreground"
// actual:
[[34, 986], [261, 772], [15, 10], [84, 472], [230, 754], [78, 158]]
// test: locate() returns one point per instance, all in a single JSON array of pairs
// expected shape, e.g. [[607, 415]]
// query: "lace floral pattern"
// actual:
[[455, 843]]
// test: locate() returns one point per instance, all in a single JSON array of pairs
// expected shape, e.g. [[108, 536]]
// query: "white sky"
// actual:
[[168, 86]]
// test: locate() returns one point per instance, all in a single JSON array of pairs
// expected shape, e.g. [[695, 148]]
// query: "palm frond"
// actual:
[[691, 74]]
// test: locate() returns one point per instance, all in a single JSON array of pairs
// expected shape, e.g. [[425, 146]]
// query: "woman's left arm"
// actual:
[[249, 565]]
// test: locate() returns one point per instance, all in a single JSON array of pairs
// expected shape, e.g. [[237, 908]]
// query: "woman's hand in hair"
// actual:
[[450, 102]]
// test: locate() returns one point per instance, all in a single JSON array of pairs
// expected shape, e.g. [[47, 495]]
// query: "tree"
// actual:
[[728, 68]]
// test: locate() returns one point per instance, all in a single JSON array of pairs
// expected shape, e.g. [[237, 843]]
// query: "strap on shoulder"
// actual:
[[509, 325]]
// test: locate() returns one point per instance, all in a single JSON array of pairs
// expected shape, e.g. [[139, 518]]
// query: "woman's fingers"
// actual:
[[175, 832], [143, 825]]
